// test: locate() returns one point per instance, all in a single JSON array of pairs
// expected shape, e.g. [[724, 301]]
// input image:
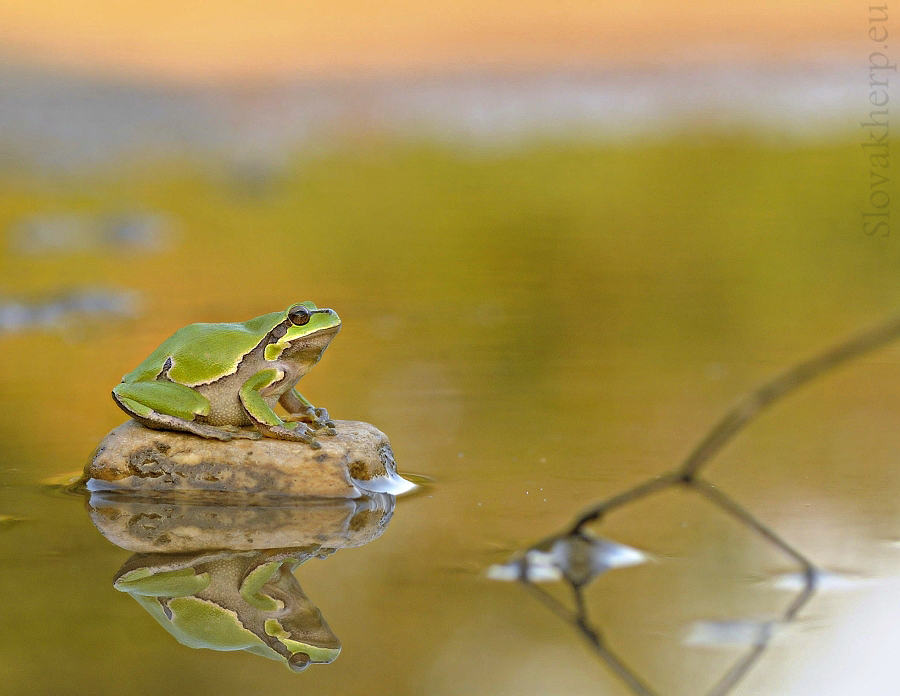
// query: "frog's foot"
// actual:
[[161, 421], [317, 418], [266, 420], [298, 433], [240, 433]]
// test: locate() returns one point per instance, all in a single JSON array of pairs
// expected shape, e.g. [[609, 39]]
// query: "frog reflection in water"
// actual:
[[210, 379], [234, 601]]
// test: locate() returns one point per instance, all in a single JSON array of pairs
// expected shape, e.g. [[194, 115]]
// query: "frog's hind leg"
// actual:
[[169, 406]]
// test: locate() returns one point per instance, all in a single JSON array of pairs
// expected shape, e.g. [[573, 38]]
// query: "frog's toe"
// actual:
[[321, 426], [300, 433], [312, 422], [213, 433], [240, 433]]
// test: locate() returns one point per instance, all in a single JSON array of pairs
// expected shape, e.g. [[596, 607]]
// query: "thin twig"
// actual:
[[581, 623], [782, 385], [687, 474], [810, 573], [642, 490], [747, 409]]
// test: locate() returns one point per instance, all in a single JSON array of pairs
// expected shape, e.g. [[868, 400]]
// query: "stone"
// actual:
[[146, 525], [356, 461]]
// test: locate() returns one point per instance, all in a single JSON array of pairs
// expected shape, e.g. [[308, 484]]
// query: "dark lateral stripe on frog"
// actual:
[[277, 332]]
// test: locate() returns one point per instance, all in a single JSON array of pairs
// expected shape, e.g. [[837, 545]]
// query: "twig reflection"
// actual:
[[687, 475]]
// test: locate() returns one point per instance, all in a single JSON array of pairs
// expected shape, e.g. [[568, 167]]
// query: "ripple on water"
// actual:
[[391, 483], [729, 633], [825, 581]]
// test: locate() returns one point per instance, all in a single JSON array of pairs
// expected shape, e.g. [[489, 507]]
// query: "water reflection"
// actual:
[[234, 601], [221, 576], [576, 557]]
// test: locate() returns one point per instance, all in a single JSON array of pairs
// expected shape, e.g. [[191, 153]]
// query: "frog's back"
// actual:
[[202, 353]]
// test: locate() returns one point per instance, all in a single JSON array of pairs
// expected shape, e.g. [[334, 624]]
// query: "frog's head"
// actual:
[[302, 333], [293, 627], [300, 646]]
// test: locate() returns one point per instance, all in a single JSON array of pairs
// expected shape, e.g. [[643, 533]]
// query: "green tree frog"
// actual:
[[211, 379], [234, 601]]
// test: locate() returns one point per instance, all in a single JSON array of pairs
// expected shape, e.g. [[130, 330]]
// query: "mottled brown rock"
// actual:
[[189, 525], [355, 461]]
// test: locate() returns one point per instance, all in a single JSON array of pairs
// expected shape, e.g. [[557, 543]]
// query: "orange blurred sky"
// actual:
[[270, 39]]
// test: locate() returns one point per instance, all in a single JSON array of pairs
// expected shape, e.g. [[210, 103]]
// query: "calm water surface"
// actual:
[[534, 331]]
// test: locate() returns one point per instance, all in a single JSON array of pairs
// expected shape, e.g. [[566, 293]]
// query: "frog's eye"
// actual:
[[299, 315], [298, 661]]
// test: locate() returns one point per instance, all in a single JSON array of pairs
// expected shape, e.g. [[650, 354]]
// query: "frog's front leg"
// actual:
[[299, 409], [170, 406], [262, 415]]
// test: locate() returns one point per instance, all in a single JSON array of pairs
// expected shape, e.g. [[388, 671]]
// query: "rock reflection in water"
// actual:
[[221, 576]]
